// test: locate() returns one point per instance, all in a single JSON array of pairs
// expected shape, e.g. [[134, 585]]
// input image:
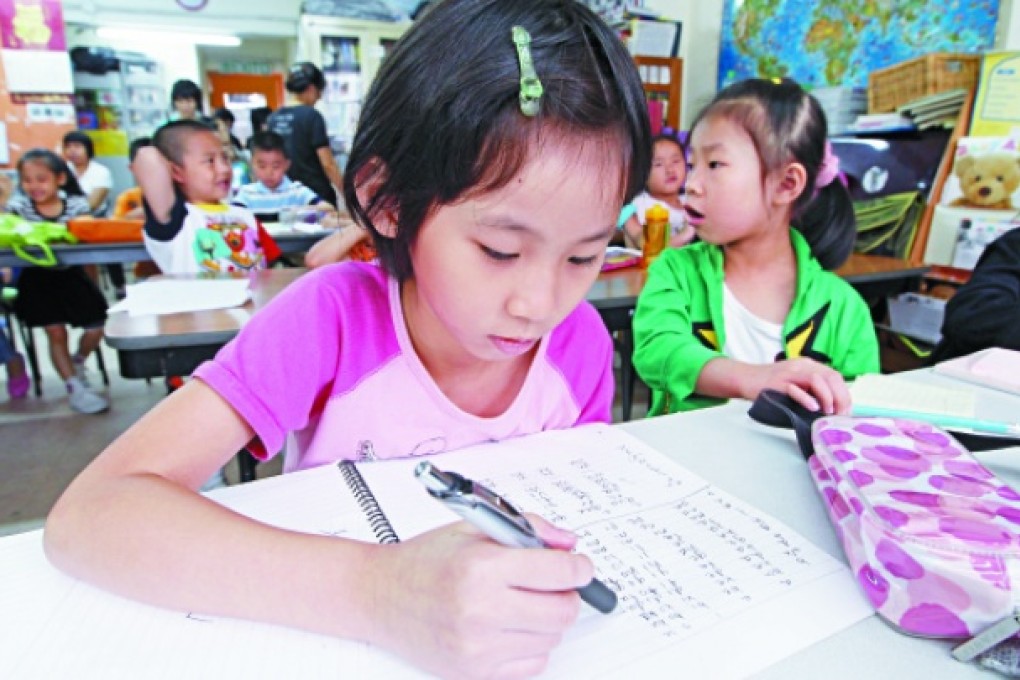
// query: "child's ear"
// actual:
[[367, 183], [792, 183], [176, 172]]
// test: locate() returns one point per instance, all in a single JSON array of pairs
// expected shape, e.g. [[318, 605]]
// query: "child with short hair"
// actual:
[[94, 178], [53, 298], [185, 177], [491, 225], [751, 306], [185, 101], [272, 190], [665, 183], [129, 202]]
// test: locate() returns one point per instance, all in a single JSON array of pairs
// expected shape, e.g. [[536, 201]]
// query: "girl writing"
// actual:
[[57, 297], [665, 183], [491, 207], [752, 306]]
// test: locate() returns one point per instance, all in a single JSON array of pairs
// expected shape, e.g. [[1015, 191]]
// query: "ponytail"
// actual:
[[829, 225]]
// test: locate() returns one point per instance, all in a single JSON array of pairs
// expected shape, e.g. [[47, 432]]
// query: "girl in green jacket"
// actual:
[[752, 306]]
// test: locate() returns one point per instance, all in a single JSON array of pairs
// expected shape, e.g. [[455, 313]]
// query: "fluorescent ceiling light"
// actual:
[[177, 36]]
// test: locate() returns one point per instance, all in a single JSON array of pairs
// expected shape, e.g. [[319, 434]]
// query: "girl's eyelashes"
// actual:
[[583, 261], [497, 255]]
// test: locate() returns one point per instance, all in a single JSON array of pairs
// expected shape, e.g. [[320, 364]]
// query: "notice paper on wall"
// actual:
[[37, 71]]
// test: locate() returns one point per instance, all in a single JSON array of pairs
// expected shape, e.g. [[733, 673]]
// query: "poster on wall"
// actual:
[[32, 25], [824, 43]]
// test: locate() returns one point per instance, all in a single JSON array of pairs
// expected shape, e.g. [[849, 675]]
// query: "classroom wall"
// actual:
[[699, 48], [1008, 33], [247, 17]]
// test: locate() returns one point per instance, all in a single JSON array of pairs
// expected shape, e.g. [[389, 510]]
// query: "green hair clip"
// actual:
[[531, 86]]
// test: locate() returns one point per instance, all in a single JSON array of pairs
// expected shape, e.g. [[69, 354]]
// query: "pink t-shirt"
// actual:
[[329, 367]]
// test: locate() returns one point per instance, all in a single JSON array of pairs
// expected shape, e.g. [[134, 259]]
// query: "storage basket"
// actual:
[[894, 86], [105, 230]]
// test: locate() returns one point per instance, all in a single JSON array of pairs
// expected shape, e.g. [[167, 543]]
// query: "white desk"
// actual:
[[757, 464], [764, 467]]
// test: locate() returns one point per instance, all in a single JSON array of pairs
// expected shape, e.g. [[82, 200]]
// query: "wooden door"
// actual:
[[269, 86]]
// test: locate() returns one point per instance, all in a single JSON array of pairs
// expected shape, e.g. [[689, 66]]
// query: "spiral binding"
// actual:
[[377, 519]]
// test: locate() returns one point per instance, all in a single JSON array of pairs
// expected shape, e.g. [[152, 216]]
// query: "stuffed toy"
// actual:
[[988, 181]]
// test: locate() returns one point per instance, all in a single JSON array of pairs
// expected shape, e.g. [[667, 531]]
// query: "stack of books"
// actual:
[[936, 110], [842, 106]]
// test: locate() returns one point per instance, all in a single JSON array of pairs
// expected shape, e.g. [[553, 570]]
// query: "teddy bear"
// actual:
[[988, 181]]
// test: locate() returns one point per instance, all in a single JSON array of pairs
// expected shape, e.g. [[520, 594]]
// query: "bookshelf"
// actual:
[[662, 78]]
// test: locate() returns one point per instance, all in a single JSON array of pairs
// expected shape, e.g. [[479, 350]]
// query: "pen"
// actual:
[[993, 426], [500, 520]]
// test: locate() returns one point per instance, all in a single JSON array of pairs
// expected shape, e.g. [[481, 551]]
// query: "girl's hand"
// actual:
[[682, 237], [813, 385], [459, 605]]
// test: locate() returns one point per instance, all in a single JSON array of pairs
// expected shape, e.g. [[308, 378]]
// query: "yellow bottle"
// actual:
[[656, 233]]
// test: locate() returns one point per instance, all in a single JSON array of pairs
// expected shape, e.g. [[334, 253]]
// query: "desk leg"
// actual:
[[626, 347]]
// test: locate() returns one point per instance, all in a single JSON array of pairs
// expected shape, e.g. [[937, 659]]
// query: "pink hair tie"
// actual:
[[829, 170]]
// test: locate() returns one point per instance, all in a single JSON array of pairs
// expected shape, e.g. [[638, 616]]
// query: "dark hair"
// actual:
[[186, 89], [443, 117], [303, 75], [79, 137], [663, 137], [56, 164], [268, 141], [137, 144], [787, 124], [224, 114], [171, 138], [259, 116]]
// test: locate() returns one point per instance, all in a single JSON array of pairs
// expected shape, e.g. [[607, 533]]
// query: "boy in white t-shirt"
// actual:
[[665, 182], [185, 177]]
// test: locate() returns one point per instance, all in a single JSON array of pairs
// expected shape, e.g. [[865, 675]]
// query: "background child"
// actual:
[[129, 202], [56, 297], [985, 312], [94, 179], [18, 381], [184, 177], [185, 101], [491, 226], [665, 182], [750, 306], [272, 190]]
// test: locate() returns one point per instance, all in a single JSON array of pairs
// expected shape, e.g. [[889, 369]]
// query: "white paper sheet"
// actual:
[[171, 296]]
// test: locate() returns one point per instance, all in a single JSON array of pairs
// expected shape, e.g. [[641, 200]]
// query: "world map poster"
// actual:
[[823, 43]]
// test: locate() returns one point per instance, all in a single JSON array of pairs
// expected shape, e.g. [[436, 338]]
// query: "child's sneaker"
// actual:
[[80, 372], [84, 400], [17, 385]]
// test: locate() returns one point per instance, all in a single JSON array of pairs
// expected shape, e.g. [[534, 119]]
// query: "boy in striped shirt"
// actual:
[[273, 190]]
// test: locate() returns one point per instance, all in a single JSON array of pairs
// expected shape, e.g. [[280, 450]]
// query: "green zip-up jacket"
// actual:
[[678, 323]]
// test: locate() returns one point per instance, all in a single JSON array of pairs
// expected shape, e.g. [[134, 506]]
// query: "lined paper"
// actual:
[[694, 567]]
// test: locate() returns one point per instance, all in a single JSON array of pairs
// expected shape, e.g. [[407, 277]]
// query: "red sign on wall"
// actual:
[[32, 25]]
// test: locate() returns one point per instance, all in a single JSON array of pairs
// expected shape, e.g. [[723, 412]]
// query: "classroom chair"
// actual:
[[28, 340]]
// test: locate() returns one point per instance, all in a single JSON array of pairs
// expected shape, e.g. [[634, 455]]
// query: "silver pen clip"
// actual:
[[489, 511]]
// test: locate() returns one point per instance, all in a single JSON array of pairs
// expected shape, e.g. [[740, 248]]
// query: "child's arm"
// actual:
[[633, 233], [812, 384], [335, 247], [451, 601], [152, 170]]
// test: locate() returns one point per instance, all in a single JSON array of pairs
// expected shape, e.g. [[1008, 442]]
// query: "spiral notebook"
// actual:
[[696, 569]]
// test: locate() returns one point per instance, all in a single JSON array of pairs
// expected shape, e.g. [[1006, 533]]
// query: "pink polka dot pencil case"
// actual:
[[932, 536]]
